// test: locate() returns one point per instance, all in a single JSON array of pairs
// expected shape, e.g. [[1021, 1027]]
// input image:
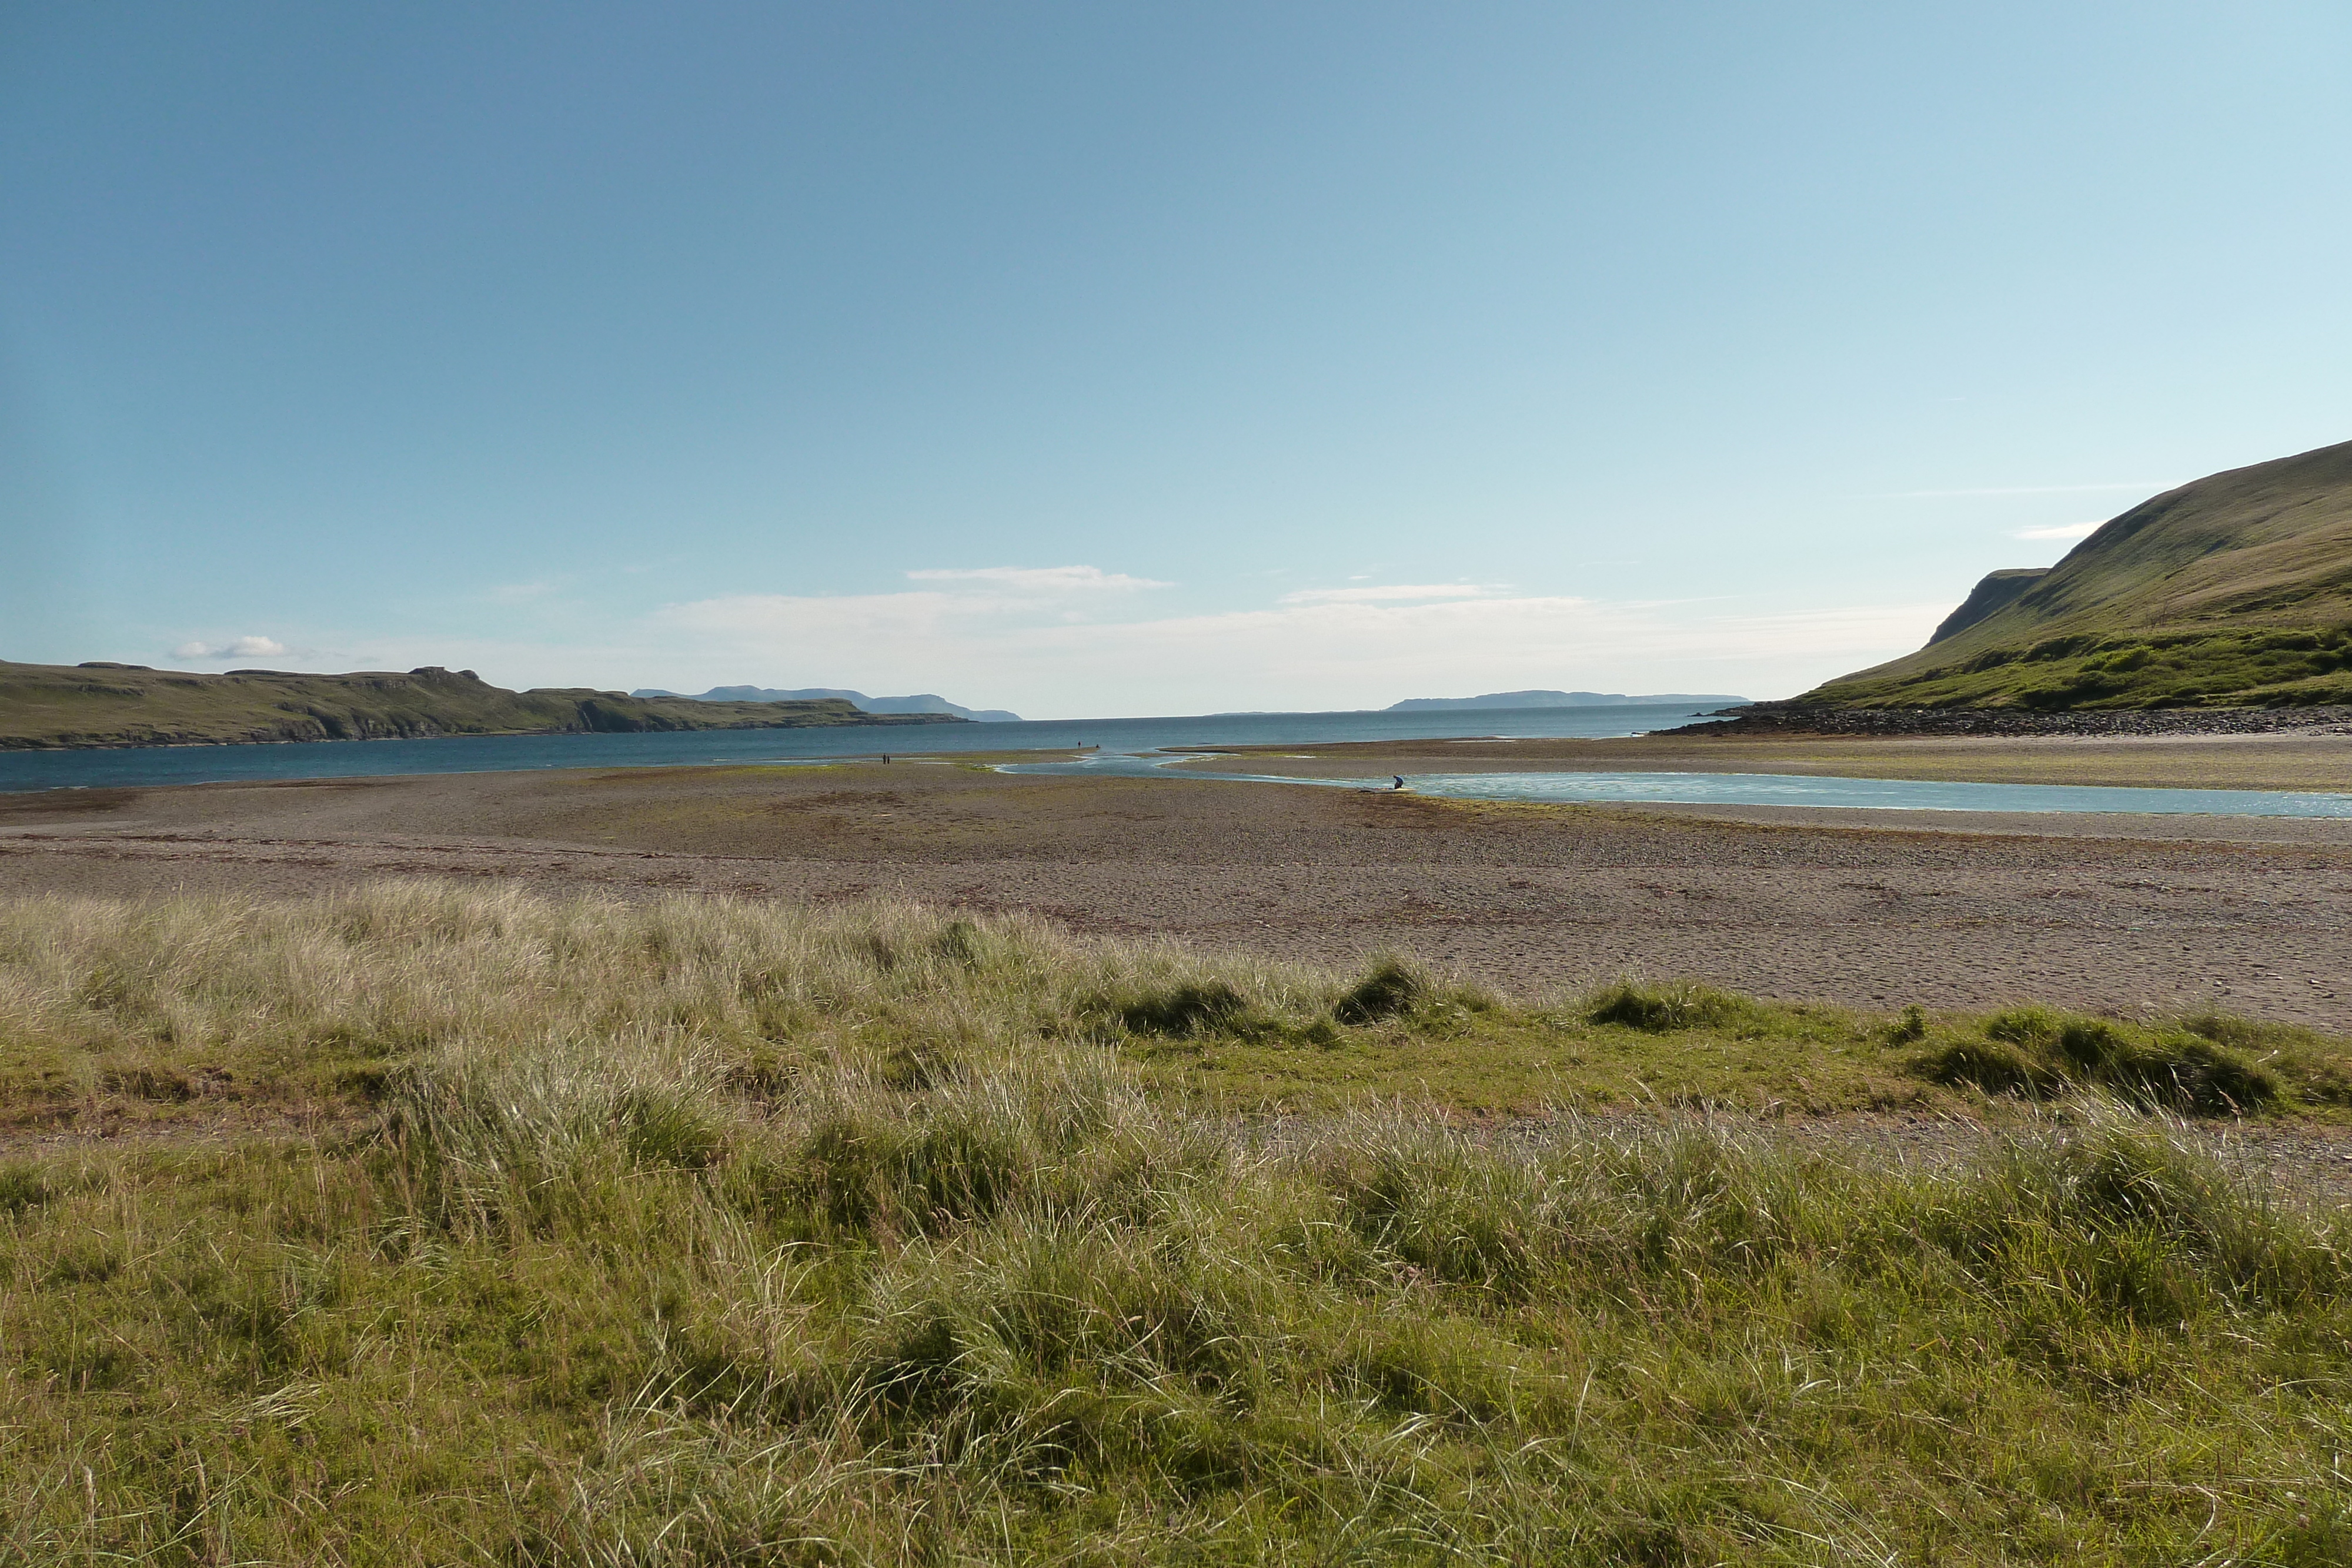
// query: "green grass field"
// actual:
[[2265, 667], [449, 1225]]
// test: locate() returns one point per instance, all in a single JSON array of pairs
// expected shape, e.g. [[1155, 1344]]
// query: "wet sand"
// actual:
[[2275, 761], [2136, 915]]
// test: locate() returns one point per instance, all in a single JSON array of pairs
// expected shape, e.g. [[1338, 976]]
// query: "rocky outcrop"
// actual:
[[1795, 719]]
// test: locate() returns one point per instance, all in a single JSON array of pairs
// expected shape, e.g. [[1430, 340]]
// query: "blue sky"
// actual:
[[1100, 359]]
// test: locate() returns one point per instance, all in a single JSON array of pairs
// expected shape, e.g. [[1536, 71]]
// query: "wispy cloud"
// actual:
[[2060, 531], [520, 592], [1325, 652], [235, 648], [1395, 594], [2144, 487], [1070, 641], [1040, 579]]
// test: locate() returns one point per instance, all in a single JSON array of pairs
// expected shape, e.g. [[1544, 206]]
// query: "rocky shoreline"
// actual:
[[1789, 718]]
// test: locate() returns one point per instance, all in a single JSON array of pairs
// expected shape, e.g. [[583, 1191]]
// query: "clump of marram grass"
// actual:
[[1677, 1005], [2110, 1206], [326, 1002], [198, 1010], [2167, 1066], [2312, 1063], [1391, 988], [1184, 1008], [1908, 1026], [1062, 1325], [590, 1294]]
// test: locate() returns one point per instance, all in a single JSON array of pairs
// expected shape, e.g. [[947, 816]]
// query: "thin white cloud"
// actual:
[[1351, 652], [2060, 531], [235, 648], [520, 592], [984, 638], [1398, 593], [2145, 486], [1040, 578]]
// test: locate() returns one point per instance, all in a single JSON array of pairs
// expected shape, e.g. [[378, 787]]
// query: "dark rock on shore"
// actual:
[[1794, 719]]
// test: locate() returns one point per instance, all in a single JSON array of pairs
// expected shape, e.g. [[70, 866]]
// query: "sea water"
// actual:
[[1879, 794], [1775, 789], [1142, 748], [159, 765]]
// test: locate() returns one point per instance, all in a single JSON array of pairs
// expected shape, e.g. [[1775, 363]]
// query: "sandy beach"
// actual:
[[2288, 759], [2136, 916]]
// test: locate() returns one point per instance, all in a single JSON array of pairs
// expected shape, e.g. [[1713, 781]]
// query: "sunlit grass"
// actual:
[[706, 1232]]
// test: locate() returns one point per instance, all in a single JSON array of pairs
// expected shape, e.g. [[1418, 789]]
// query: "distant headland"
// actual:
[[922, 701], [1564, 699], [53, 707]]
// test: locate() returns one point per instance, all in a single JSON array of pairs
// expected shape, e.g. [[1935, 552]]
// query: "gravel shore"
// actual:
[[2130, 915], [1784, 718]]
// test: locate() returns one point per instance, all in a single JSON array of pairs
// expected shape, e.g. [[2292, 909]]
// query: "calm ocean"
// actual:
[[138, 766]]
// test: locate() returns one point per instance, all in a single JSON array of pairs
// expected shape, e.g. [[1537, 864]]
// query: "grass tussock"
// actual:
[[1661, 1009], [191, 1013], [2201, 1065], [701, 1233]]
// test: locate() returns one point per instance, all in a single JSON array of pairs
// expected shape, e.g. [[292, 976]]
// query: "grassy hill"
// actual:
[[2234, 589], [53, 705]]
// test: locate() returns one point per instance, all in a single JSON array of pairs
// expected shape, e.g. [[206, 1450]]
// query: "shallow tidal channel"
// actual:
[[1766, 789]]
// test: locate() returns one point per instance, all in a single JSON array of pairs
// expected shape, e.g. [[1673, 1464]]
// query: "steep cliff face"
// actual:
[[2233, 589], [44, 705]]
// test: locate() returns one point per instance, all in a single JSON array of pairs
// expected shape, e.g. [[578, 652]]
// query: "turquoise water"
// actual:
[[141, 767], [1779, 790], [1134, 747], [1875, 794]]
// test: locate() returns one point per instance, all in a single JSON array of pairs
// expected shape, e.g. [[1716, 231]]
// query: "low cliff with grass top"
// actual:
[[59, 706], [437, 1226], [2233, 591]]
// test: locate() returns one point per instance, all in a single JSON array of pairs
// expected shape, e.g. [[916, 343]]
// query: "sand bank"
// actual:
[[2134, 914], [2281, 761]]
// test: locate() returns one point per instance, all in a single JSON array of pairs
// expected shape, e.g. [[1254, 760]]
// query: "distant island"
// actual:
[[1563, 699], [56, 707], [920, 703]]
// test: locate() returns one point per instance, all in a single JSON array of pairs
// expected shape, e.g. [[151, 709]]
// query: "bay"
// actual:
[[145, 766]]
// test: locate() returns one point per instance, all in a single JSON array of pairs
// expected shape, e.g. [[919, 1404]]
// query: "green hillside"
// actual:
[[2235, 589], [53, 705]]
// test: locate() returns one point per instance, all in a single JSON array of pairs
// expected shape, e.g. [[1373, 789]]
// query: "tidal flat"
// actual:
[[918, 1163], [2136, 916]]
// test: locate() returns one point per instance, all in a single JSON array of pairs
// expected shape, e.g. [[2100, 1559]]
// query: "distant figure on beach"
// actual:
[[1400, 779]]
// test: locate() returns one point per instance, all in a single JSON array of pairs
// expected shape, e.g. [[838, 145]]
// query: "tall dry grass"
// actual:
[[699, 1233]]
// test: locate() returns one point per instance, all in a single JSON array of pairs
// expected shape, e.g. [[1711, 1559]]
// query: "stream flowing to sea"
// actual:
[[1776, 789]]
